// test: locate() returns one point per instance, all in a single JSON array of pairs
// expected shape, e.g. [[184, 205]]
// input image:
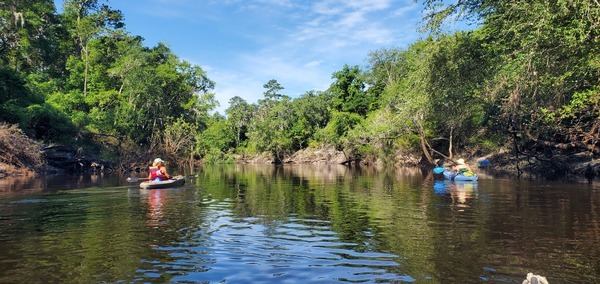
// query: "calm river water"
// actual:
[[298, 224]]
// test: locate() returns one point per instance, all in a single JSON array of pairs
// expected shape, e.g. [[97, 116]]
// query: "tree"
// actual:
[[546, 55], [28, 34], [86, 20], [216, 140], [311, 112], [239, 115], [270, 123], [349, 91], [272, 90], [458, 68], [178, 139], [335, 133], [407, 115]]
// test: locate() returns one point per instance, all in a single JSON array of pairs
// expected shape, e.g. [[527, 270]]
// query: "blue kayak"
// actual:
[[450, 175]]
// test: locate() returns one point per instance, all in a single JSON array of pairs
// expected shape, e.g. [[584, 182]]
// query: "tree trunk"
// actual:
[[85, 71], [450, 146], [423, 141], [426, 151]]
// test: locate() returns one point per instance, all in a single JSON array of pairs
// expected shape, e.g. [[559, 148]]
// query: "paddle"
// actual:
[[438, 170], [136, 179]]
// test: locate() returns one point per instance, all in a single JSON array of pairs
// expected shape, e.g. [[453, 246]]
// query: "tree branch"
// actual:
[[564, 146]]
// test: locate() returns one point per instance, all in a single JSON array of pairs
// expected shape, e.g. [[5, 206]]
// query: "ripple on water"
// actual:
[[294, 250], [25, 201]]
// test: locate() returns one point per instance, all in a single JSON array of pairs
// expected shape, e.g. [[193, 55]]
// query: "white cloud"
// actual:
[[229, 85], [283, 3], [244, 43], [340, 24], [402, 11], [320, 42], [313, 64]]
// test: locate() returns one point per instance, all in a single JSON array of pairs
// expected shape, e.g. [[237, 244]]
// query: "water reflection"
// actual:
[[460, 192], [20, 185], [155, 199], [246, 224], [231, 249], [463, 191]]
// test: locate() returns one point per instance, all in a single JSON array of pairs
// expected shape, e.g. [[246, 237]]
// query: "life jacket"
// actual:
[[462, 170], [157, 174]]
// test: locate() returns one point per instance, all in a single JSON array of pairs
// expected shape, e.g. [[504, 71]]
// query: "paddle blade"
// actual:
[[484, 162], [132, 179], [135, 179], [438, 170]]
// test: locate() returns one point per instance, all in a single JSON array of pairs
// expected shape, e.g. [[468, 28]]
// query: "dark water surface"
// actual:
[[298, 224]]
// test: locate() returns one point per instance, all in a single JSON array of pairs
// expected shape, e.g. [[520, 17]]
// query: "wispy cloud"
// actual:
[[308, 47], [230, 84], [347, 23]]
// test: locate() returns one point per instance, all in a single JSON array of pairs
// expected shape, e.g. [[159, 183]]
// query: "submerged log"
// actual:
[[349, 162], [73, 160]]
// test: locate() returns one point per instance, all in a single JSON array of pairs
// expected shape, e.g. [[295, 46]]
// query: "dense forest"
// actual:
[[525, 82]]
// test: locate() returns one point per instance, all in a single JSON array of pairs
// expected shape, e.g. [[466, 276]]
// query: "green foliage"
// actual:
[[46, 123], [14, 96], [335, 133], [586, 102], [216, 156], [311, 111], [530, 69], [457, 70], [269, 129], [538, 59], [217, 137], [239, 115], [178, 138], [581, 116], [272, 90], [76, 69], [29, 30], [349, 91], [406, 98], [42, 84]]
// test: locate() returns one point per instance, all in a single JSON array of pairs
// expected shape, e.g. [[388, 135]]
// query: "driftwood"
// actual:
[[72, 160], [349, 162], [565, 146], [444, 156]]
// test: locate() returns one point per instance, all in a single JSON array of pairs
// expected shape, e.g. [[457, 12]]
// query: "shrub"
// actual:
[[18, 150]]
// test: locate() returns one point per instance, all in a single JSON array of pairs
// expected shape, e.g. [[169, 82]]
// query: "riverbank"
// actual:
[[19, 155], [63, 159], [501, 162], [576, 165]]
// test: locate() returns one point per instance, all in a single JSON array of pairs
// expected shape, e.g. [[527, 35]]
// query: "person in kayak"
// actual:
[[158, 171], [463, 168]]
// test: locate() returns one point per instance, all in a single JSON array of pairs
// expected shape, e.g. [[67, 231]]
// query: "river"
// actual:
[[298, 224]]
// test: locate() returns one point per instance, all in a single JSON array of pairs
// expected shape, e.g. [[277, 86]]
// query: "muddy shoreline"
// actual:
[[65, 160]]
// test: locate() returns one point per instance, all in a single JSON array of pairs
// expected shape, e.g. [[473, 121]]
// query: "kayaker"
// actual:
[[462, 168], [158, 171]]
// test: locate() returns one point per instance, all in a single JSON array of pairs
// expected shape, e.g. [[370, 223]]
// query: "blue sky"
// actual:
[[242, 44]]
